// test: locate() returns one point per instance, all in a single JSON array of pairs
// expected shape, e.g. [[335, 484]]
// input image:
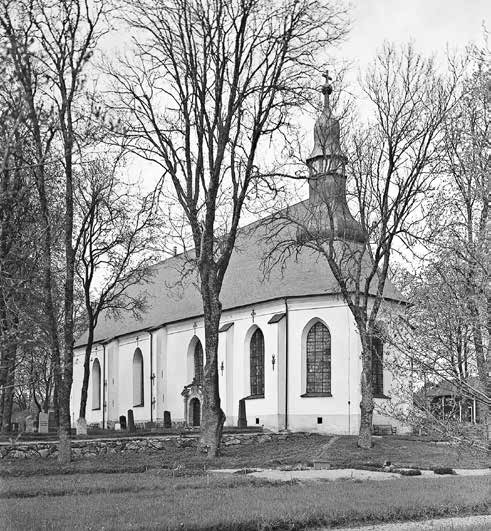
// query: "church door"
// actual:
[[195, 407]]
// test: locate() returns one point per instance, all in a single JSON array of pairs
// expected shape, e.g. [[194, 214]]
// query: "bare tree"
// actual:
[[50, 45], [391, 166], [211, 83], [447, 324], [114, 243]]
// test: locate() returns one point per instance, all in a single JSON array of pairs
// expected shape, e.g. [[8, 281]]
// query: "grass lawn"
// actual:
[[157, 499], [296, 449]]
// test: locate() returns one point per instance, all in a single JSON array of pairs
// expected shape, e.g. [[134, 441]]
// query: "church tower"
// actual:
[[327, 181]]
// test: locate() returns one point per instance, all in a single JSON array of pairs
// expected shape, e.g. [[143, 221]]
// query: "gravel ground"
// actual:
[[466, 523]]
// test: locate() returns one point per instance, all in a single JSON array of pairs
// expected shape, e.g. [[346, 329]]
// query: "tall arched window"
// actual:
[[138, 398], [377, 365], [257, 363], [96, 385], [318, 360], [198, 363]]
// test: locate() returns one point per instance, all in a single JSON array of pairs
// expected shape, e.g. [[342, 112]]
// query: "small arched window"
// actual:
[[138, 398], [198, 363], [318, 360], [377, 347], [96, 385], [257, 363]]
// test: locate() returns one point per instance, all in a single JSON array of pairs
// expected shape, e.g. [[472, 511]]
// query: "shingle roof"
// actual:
[[170, 299]]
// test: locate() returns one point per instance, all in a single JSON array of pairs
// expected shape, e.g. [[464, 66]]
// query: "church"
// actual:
[[288, 344]]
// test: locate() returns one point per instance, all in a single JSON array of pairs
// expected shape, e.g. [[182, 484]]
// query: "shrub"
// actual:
[[408, 471], [443, 470]]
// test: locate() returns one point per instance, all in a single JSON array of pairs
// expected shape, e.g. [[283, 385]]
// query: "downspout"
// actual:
[[104, 385], [151, 375], [286, 364]]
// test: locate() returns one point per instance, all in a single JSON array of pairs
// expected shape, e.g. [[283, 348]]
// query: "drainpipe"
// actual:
[[104, 385], [151, 375], [286, 364]]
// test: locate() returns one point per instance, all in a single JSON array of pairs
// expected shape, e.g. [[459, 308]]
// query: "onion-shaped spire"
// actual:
[[328, 215], [326, 129]]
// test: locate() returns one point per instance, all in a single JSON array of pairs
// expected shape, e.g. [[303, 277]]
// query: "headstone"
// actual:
[[122, 422], [29, 424], [81, 426], [43, 422], [52, 426], [117, 426], [131, 421], [242, 414], [167, 420]]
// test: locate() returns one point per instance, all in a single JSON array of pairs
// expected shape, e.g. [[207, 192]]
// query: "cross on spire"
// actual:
[[326, 89]]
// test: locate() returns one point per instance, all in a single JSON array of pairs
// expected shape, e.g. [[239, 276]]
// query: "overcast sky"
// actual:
[[432, 24]]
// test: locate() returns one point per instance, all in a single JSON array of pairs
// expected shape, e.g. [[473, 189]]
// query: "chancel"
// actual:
[[289, 352]]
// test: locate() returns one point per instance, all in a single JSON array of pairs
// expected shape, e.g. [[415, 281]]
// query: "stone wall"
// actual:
[[95, 447]]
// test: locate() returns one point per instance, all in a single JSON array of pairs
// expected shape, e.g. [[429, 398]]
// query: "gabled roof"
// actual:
[[454, 387], [171, 298]]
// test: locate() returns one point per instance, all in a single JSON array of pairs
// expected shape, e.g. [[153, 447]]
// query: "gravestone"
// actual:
[[29, 424], [43, 422], [122, 422], [242, 414], [167, 420], [117, 426], [81, 426], [131, 421], [52, 426]]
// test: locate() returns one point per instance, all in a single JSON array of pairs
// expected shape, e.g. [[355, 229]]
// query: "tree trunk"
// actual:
[[8, 391], [366, 404], [213, 416], [85, 382]]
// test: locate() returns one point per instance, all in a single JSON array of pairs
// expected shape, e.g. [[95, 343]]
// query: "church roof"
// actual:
[[172, 298]]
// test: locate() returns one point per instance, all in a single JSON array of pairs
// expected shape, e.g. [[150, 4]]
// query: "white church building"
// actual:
[[288, 344]]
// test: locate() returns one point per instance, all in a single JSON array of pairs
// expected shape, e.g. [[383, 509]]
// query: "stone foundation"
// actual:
[[95, 447]]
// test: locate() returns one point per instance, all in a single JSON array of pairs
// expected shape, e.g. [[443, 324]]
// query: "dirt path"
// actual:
[[466, 523]]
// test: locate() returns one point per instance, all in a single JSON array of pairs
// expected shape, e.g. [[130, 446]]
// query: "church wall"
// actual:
[[127, 348], [260, 411], [92, 416], [112, 378], [173, 366], [339, 412], [160, 371], [178, 370]]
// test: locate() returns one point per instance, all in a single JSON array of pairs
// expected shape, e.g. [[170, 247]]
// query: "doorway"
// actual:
[[195, 412]]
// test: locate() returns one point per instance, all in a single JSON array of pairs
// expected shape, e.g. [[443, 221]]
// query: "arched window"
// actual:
[[138, 398], [257, 363], [96, 385], [198, 363], [318, 360], [377, 365]]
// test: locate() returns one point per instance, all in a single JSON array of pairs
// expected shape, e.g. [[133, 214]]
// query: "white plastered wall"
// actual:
[[172, 361]]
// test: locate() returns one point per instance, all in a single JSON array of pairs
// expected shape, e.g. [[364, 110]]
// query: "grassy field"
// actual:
[[296, 449], [173, 488], [160, 500]]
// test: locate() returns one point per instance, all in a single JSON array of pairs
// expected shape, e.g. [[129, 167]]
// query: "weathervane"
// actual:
[[326, 89]]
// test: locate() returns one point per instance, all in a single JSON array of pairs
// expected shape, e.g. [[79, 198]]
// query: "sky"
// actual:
[[433, 25]]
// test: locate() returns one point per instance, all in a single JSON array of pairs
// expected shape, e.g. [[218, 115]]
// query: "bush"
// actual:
[[443, 470], [408, 471]]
